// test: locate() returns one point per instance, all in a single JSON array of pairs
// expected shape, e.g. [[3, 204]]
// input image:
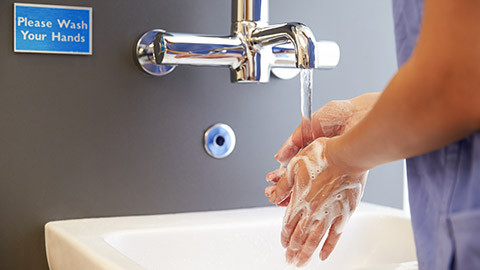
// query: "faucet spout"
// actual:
[[193, 49], [297, 34], [251, 51]]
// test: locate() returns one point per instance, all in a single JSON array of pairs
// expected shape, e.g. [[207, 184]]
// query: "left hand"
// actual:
[[333, 119], [322, 196]]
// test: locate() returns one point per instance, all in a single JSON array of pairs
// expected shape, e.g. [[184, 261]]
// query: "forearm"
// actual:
[[417, 113]]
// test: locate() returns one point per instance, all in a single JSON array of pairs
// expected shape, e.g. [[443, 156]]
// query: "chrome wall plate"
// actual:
[[145, 55], [219, 140], [285, 73]]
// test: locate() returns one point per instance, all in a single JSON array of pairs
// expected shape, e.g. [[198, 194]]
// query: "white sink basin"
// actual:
[[376, 238]]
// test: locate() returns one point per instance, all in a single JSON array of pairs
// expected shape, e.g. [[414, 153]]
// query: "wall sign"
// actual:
[[52, 29]]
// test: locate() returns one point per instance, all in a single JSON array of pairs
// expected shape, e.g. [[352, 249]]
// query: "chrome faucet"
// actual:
[[252, 50]]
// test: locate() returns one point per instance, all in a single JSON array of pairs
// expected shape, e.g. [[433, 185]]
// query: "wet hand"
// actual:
[[333, 119], [329, 121], [322, 196]]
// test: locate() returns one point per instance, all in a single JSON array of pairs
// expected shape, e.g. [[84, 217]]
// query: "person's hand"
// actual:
[[323, 196], [329, 121], [333, 119]]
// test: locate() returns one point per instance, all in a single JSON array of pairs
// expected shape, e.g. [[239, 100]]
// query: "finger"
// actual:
[[289, 224], [285, 202], [312, 242], [332, 119], [317, 122], [322, 123], [270, 189], [282, 191], [298, 238], [299, 235], [290, 148], [275, 175], [332, 239], [290, 256], [297, 175]]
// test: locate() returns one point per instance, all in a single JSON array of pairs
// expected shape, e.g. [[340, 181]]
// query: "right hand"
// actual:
[[333, 119], [323, 194]]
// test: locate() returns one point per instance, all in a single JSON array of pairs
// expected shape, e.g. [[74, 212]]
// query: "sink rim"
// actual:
[[85, 240]]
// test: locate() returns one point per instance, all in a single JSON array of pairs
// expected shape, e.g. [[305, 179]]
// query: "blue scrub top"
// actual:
[[444, 186]]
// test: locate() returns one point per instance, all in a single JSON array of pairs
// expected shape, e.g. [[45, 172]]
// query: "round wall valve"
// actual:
[[219, 140], [146, 57]]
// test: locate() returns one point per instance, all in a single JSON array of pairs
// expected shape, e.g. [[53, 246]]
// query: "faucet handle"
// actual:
[[327, 57], [328, 54]]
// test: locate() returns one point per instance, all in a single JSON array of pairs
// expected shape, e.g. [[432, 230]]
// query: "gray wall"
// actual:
[[89, 136]]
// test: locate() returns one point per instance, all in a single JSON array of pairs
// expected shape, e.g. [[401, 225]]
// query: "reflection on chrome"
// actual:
[[251, 51]]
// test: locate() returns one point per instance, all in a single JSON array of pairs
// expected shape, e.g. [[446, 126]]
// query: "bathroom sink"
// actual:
[[376, 237]]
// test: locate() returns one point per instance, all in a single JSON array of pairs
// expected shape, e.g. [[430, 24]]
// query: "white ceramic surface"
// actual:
[[375, 238]]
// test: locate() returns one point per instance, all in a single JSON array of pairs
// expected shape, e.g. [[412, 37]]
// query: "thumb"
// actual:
[[290, 148], [283, 189]]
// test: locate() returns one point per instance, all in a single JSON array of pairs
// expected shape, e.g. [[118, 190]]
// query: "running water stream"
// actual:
[[306, 90]]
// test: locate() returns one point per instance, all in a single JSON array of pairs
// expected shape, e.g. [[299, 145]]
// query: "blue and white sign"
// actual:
[[52, 29]]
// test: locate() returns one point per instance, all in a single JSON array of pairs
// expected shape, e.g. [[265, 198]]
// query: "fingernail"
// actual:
[[323, 255], [290, 255], [289, 260], [300, 263]]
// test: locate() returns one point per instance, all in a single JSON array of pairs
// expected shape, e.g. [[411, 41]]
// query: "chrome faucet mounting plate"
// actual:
[[252, 50]]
